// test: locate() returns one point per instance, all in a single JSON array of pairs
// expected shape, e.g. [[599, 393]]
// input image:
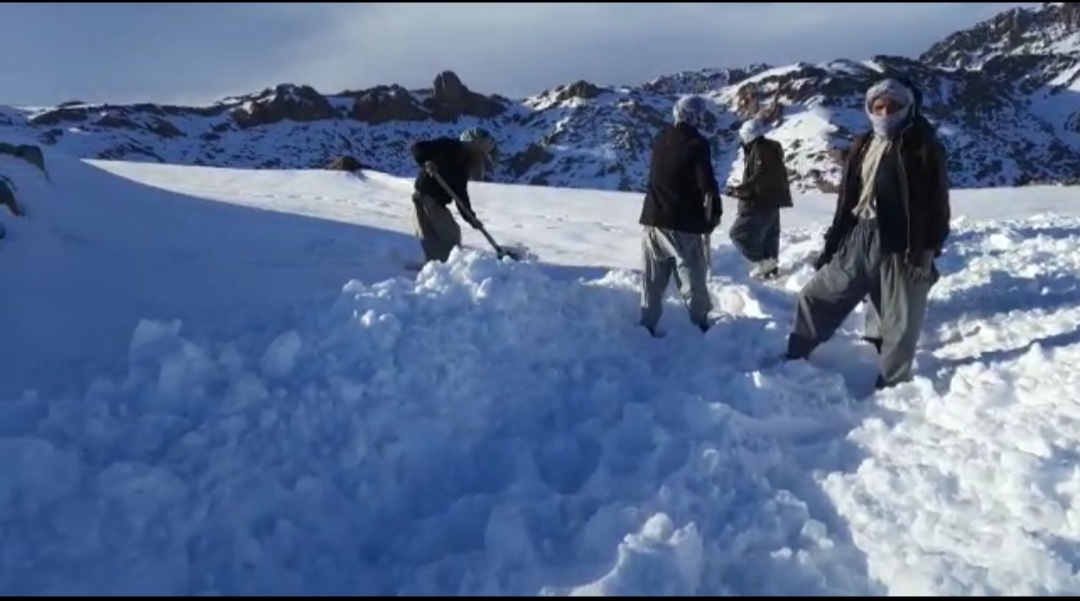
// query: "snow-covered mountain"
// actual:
[[1002, 93]]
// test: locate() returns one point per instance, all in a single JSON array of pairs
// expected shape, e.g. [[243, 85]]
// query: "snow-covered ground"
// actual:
[[220, 382]]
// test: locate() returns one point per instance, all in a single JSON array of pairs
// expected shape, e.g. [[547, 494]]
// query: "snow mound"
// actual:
[[479, 430]]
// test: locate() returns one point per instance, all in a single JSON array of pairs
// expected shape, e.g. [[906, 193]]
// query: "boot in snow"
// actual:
[[765, 270]]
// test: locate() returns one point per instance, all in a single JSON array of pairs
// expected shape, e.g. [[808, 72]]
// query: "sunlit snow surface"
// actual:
[[223, 382]]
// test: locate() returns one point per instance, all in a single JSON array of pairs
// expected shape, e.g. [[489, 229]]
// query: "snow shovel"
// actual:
[[500, 251]]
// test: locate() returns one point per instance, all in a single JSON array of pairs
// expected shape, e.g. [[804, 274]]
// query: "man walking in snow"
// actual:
[[764, 190], [454, 161], [891, 221], [681, 209]]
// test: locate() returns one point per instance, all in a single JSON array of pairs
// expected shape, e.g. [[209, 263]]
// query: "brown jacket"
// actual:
[[924, 188], [765, 182]]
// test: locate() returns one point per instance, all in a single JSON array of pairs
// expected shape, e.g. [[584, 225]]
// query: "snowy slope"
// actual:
[[237, 393], [1000, 93]]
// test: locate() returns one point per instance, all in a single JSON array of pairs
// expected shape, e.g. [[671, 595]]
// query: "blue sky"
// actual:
[[181, 52]]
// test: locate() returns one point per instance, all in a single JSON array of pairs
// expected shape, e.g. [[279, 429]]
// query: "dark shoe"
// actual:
[[652, 331]]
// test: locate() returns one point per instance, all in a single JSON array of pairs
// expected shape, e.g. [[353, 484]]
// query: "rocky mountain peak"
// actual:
[[1050, 29], [1003, 95]]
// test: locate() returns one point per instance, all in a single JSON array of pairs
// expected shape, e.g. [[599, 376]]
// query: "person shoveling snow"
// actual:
[[446, 166]]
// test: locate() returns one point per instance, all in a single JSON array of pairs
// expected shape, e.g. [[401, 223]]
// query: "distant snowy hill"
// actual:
[[1003, 94]]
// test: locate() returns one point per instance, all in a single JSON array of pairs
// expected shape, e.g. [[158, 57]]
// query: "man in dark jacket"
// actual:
[[453, 161], [891, 221], [871, 319], [764, 190], [681, 209]]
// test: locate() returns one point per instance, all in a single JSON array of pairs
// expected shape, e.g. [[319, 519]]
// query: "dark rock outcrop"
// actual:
[[346, 163], [301, 104]]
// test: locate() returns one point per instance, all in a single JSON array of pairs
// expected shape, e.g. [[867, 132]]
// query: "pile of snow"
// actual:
[[290, 413]]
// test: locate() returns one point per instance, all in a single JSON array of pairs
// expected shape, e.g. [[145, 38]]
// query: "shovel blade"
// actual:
[[509, 252]]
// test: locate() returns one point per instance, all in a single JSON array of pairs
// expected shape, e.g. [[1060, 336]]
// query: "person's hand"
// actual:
[[469, 217], [430, 168], [921, 266]]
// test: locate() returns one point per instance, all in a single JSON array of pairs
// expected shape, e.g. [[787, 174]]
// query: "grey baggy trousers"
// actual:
[[871, 323], [668, 252], [857, 270], [439, 233], [756, 234]]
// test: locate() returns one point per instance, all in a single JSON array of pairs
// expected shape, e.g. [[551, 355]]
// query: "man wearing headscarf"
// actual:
[[764, 190], [450, 162], [891, 221], [871, 319], [681, 209]]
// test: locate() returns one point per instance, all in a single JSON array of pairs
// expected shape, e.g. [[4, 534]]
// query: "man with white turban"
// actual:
[[891, 222], [764, 190]]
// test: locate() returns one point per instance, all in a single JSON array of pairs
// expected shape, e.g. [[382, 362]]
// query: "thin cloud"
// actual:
[[522, 49], [201, 52]]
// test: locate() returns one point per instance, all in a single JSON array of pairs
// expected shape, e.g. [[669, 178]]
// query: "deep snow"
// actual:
[[218, 382]]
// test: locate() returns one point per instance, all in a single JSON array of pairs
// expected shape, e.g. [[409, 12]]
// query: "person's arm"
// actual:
[[939, 207], [706, 181], [834, 234], [465, 206], [456, 161]]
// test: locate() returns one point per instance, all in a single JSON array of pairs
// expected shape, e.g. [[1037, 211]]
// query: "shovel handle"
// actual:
[[465, 210], [457, 201]]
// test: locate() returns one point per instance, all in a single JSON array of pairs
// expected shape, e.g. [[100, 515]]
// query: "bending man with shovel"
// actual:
[[446, 166]]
